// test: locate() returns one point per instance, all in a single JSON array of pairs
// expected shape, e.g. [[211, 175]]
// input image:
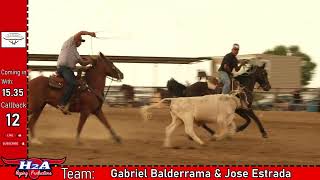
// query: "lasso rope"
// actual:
[[105, 94]]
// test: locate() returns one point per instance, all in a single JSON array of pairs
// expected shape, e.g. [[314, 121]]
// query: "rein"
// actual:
[[105, 95], [102, 97]]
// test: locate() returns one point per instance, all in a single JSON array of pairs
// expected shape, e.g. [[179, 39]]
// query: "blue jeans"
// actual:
[[70, 83], [225, 79]]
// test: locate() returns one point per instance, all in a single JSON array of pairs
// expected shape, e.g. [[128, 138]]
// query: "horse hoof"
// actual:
[[264, 135], [117, 139], [35, 141]]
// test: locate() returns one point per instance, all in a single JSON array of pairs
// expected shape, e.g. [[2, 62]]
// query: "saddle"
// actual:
[[57, 81]]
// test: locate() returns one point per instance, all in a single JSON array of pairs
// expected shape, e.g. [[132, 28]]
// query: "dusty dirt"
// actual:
[[293, 139]]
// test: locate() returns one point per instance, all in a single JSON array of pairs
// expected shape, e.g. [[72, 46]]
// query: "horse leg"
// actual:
[[33, 117], [246, 117], [176, 122], [258, 122], [83, 118], [105, 122]]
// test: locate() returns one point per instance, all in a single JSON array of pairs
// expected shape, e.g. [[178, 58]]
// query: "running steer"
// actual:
[[219, 109]]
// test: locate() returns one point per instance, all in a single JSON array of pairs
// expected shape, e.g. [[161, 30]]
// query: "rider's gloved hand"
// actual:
[[93, 34]]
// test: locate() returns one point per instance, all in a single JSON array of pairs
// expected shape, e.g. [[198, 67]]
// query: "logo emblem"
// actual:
[[13, 39], [33, 167]]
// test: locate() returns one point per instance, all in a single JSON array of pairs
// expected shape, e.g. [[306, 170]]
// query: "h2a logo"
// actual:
[[33, 167], [28, 165]]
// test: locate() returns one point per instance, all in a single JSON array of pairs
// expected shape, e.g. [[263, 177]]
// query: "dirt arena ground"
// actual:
[[294, 138]]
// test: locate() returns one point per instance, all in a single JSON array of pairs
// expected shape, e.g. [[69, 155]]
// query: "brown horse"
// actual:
[[89, 100]]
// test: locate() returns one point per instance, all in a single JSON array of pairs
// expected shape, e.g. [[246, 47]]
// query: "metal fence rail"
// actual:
[[275, 99], [281, 99]]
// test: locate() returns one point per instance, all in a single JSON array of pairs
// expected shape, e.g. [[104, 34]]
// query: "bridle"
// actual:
[[109, 77], [264, 86], [112, 79]]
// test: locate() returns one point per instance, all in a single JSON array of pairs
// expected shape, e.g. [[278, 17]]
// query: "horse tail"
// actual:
[[175, 88], [146, 110]]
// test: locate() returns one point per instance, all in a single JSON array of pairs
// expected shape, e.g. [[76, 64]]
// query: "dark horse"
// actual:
[[197, 89], [247, 80], [90, 99]]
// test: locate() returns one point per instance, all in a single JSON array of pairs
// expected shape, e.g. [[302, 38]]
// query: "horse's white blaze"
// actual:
[[219, 109]]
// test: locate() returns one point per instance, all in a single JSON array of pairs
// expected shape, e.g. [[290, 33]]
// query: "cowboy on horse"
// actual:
[[67, 60], [88, 98], [255, 74], [229, 63]]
